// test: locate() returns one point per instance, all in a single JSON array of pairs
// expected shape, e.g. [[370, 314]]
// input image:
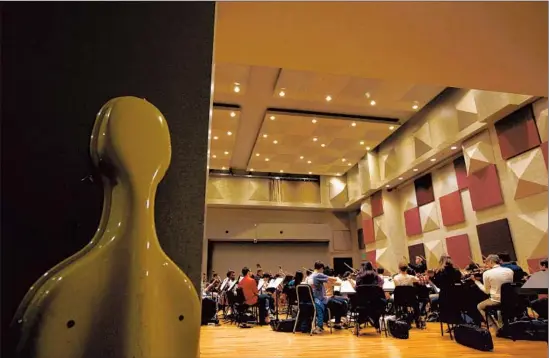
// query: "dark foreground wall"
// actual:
[[60, 63]]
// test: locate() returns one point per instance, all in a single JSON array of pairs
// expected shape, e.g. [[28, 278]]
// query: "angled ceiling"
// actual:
[[277, 120], [497, 46]]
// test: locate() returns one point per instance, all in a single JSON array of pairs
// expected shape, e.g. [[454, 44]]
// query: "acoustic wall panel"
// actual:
[[435, 250], [424, 190], [380, 231], [533, 264], [459, 249], [371, 256], [451, 209], [429, 217], [377, 204], [540, 115], [495, 237], [412, 222], [528, 173], [544, 146], [461, 173], [416, 250], [361, 243], [485, 188], [408, 196], [368, 231], [517, 133], [478, 152]]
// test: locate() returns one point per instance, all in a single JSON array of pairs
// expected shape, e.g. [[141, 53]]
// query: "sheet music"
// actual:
[[346, 287], [274, 283], [260, 284], [388, 284], [537, 280], [225, 282]]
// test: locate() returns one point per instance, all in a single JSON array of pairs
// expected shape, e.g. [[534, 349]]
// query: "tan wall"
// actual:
[[266, 224]]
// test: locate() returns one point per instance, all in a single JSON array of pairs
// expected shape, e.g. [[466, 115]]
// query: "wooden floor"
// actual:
[[228, 341]]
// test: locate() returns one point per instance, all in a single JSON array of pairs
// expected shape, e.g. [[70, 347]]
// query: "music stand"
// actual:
[[537, 284]]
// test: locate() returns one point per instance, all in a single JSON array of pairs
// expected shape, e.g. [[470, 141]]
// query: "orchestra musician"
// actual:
[[493, 278], [540, 305], [317, 280], [252, 295], [405, 279], [419, 267], [367, 276], [518, 273]]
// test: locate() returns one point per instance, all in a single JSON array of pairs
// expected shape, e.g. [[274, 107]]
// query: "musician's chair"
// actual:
[[451, 307], [405, 299], [306, 308], [369, 303]]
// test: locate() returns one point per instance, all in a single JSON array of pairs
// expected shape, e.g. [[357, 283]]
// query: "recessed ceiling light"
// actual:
[[229, 133], [282, 171], [368, 148], [353, 124], [415, 169], [361, 142], [453, 147], [433, 159], [415, 107], [387, 186], [233, 114], [314, 120], [236, 87], [323, 145], [310, 173], [349, 164], [367, 94], [309, 162], [214, 156], [328, 98], [372, 103], [226, 153], [251, 169], [257, 154], [272, 118], [223, 168], [338, 174], [216, 137], [266, 159], [315, 139], [343, 159], [391, 128], [265, 136], [301, 157], [282, 93], [401, 178], [275, 142]]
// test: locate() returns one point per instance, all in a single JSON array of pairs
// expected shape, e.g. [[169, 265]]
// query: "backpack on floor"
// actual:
[[283, 325], [398, 328], [526, 329], [473, 337]]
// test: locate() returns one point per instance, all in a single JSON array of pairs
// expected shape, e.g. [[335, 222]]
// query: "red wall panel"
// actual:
[[517, 133], [485, 189], [424, 190], [459, 249], [412, 222], [368, 231], [533, 264], [461, 173], [544, 147], [451, 209], [416, 250], [371, 256], [377, 204]]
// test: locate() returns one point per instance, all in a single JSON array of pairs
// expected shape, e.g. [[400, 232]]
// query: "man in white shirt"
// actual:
[[493, 279]]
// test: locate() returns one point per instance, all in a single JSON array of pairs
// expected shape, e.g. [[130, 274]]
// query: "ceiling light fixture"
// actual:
[[236, 87], [349, 164], [265, 136], [416, 169], [343, 160], [368, 148], [272, 118], [282, 93], [433, 159], [251, 169], [309, 162], [275, 142], [310, 173], [315, 139], [328, 98], [323, 145], [338, 174], [216, 137], [367, 94], [229, 133], [401, 178], [361, 142], [301, 157], [223, 168], [353, 124], [453, 147], [415, 107], [233, 114], [314, 120], [387, 186], [257, 154], [266, 159], [282, 171], [372, 103], [214, 156], [391, 128], [226, 153]]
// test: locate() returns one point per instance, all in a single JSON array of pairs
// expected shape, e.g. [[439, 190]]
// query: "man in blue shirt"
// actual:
[[518, 272], [317, 280]]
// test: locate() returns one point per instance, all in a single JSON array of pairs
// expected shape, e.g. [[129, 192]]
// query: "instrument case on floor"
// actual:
[[284, 325], [474, 337], [398, 328], [526, 329]]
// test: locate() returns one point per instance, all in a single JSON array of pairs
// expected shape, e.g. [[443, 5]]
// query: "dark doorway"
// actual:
[[339, 265]]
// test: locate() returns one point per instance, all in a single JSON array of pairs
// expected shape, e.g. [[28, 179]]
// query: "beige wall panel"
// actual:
[[354, 189], [342, 241], [540, 113], [300, 192], [445, 180], [493, 106]]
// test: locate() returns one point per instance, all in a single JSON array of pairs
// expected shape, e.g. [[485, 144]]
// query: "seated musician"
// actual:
[[259, 275], [348, 276], [367, 276], [518, 272], [405, 279], [252, 296], [540, 305], [338, 305], [297, 280], [317, 280], [381, 272], [493, 278], [446, 275], [420, 266]]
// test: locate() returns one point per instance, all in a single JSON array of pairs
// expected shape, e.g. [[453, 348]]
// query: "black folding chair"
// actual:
[[369, 303], [306, 308], [405, 297], [450, 304]]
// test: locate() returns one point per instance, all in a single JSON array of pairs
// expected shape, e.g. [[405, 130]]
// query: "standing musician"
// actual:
[[420, 265], [493, 278]]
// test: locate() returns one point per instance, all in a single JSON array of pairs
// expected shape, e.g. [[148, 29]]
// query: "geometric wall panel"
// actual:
[[388, 164], [434, 250], [461, 173], [416, 250], [379, 228], [360, 236], [371, 256], [496, 237], [422, 140], [485, 189], [385, 258], [544, 149], [368, 231], [517, 133], [429, 217], [377, 203], [478, 152], [424, 190], [445, 180], [540, 114], [458, 248], [412, 222], [533, 231], [407, 195], [451, 209], [529, 173], [467, 112], [366, 209]]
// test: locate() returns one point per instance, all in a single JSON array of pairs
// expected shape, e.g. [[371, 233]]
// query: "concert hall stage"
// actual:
[[229, 341]]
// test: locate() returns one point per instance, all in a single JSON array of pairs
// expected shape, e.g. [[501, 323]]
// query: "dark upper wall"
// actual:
[[60, 63]]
